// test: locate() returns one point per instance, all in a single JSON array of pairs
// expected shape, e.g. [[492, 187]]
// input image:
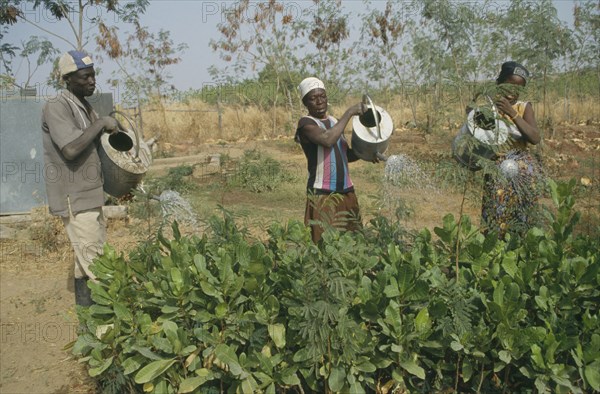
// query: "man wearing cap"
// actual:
[[70, 131], [331, 200]]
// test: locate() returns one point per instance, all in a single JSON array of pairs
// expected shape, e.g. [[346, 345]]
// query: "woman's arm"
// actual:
[[330, 136], [526, 124]]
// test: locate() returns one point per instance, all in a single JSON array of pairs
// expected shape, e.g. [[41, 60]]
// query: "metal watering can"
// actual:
[[124, 158], [371, 132], [483, 133]]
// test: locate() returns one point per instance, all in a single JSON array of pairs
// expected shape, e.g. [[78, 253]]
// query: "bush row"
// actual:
[[364, 312]]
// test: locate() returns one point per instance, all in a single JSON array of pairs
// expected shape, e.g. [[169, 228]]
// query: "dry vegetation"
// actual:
[[197, 122]]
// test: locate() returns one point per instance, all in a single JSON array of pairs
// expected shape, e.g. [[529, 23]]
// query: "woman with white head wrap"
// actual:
[[331, 201]]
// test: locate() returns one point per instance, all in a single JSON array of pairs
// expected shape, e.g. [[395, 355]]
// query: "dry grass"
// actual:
[[196, 122]]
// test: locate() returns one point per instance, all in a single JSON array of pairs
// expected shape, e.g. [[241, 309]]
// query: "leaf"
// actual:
[[592, 375], [509, 264], [392, 290], [536, 357], [411, 367], [289, 377], [228, 356], [499, 294], [122, 312], [221, 310], [336, 379], [168, 309], [177, 278], [249, 385], [357, 388], [190, 384], [146, 352], [277, 334], [191, 357], [99, 295], [505, 356], [301, 356], [132, 364], [170, 330], [392, 316], [422, 321], [209, 289], [98, 370], [467, 370], [153, 370], [406, 277], [366, 366]]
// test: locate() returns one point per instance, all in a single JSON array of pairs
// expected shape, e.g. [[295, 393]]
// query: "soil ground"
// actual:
[[37, 316]]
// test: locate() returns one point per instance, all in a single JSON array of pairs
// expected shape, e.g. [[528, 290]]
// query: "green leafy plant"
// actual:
[[361, 312], [258, 172]]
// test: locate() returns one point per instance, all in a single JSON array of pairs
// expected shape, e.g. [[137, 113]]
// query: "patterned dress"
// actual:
[[512, 190]]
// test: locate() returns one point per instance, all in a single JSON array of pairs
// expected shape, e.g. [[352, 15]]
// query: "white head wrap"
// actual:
[[309, 84]]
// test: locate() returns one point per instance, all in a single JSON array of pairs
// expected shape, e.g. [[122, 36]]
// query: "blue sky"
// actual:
[[194, 23]]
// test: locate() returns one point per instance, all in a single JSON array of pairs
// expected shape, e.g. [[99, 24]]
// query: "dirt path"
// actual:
[[37, 320]]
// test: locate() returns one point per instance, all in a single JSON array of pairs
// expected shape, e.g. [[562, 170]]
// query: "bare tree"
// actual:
[[75, 14]]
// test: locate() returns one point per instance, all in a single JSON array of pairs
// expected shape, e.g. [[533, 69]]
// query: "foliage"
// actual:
[[176, 179], [258, 173], [384, 32], [143, 62], [330, 59], [269, 38], [83, 17], [587, 34], [73, 13], [34, 45], [257, 35], [357, 313]]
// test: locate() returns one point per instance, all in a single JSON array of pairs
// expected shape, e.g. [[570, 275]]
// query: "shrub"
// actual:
[[225, 313], [259, 173]]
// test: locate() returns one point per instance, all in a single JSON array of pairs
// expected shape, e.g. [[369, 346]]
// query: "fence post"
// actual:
[[220, 114]]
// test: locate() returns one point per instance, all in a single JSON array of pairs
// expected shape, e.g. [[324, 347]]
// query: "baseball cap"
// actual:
[[73, 61]]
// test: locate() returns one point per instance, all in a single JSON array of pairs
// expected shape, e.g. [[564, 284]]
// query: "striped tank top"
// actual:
[[327, 167]]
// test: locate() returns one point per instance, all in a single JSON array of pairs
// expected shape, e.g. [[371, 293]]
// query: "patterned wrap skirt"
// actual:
[[511, 194], [336, 210]]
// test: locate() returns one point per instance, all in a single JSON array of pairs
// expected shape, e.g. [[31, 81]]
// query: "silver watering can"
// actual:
[[371, 132], [124, 158], [483, 133]]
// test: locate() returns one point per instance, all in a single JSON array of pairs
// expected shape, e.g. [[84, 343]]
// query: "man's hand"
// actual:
[[110, 124]]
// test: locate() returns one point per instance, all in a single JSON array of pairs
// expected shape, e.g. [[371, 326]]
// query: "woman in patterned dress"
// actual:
[[511, 192]]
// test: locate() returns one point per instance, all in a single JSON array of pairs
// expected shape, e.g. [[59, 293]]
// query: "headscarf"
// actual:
[[512, 68], [309, 84]]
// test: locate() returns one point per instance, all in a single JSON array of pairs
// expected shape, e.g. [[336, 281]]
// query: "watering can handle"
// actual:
[[137, 137], [366, 100], [496, 116]]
